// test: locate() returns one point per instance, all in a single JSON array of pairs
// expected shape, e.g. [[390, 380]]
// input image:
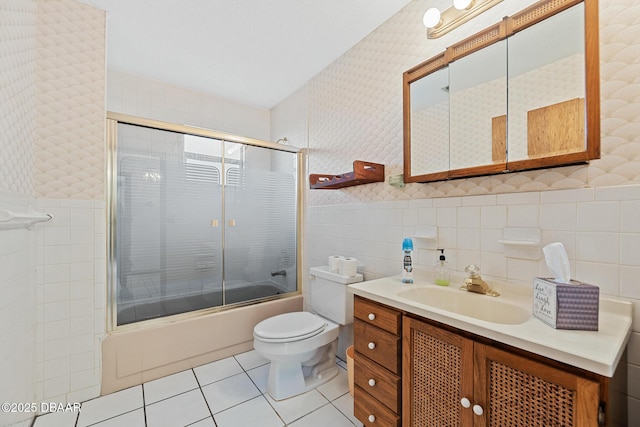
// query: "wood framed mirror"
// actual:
[[522, 94]]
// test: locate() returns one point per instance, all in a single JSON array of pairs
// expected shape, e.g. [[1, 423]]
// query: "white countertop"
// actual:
[[595, 351]]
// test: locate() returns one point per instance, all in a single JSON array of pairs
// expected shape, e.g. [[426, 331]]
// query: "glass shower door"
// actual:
[[169, 223], [198, 221], [260, 194]]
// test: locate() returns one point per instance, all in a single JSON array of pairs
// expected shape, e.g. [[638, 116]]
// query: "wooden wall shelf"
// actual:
[[363, 173]]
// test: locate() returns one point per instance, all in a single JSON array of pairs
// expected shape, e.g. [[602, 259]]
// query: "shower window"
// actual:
[[199, 222]]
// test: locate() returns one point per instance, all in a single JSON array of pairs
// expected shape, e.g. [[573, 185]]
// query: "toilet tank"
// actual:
[[330, 297]]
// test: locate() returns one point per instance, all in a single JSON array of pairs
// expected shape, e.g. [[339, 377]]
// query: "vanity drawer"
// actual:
[[380, 346], [386, 386], [376, 314], [371, 412]]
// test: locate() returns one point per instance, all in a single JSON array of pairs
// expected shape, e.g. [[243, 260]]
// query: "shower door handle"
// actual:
[[215, 222], [232, 223]]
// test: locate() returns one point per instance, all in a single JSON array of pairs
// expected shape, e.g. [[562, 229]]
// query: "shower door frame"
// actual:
[[113, 119]]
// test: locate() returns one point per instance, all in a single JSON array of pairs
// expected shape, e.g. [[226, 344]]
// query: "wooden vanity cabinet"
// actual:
[[377, 363], [450, 379]]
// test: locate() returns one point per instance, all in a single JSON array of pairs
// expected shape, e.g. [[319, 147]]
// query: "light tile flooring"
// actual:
[[227, 393]]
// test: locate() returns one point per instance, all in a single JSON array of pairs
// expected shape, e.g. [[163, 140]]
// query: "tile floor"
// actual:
[[227, 393]]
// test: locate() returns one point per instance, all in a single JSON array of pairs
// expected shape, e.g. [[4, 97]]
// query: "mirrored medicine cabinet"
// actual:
[[522, 94]]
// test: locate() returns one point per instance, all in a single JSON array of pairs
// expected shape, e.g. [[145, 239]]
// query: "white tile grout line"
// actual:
[[339, 362]]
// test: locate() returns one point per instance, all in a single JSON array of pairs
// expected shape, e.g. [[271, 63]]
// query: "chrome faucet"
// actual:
[[279, 273], [474, 283]]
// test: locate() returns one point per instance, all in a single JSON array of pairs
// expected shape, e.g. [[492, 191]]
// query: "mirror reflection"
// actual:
[[478, 97], [547, 87], [430, 123]]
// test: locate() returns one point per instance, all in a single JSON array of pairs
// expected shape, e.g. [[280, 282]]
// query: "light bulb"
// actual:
[[462, 4], [431, 18]]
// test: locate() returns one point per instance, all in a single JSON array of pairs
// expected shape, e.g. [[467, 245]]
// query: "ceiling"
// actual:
[[249, 51]]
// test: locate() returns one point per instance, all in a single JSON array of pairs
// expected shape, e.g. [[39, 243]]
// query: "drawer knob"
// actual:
[[465, 402], [477, 409], [372, 418], [372, 316], [372, 382], [371, 345]]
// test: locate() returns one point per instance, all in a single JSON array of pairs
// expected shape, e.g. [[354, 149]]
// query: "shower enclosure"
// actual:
[[198, 220]]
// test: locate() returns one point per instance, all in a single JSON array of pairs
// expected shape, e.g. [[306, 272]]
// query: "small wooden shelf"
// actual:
[[363, 173]]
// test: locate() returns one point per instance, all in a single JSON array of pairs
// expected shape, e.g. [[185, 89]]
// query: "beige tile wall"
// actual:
[[355, 109], [70, 87], [147, 98], [18, 50]]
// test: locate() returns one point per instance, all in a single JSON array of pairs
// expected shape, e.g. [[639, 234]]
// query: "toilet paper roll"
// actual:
[[348, 267], [334, 263]]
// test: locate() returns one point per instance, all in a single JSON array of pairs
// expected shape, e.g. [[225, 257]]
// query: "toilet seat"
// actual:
[[289, 327]]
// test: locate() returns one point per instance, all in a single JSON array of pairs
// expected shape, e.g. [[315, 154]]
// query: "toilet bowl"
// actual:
[[301, 346], [301, 361]]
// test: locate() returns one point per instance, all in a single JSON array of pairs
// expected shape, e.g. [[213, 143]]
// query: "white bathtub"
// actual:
[[136, 355]]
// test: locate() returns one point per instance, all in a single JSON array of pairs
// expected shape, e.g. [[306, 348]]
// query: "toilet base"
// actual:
[[288, 379]]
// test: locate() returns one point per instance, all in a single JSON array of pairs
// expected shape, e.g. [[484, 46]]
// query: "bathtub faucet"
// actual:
[[279, 273]]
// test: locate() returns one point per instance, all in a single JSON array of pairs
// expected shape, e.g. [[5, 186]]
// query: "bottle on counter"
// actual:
[[407, 260], [442, 271]]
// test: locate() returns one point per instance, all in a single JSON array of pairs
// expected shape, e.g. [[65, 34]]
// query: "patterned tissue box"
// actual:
[[571, 305]]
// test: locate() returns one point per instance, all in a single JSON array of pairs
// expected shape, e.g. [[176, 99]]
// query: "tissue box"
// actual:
[[571, 305]]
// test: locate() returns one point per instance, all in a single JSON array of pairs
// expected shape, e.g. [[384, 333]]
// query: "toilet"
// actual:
[[301, 346]]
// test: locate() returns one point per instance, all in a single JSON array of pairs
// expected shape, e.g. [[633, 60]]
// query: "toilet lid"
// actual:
[[290, 326]]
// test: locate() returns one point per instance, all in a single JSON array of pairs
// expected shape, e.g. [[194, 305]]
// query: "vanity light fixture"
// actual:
[[463, 4], [439, 23], [432, 18]]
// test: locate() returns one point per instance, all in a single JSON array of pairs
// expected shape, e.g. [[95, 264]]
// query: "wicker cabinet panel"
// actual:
[[516, 391], [378, 345], [441, 368], [437, 374], [371, 412], [380, 383], [378, 315]]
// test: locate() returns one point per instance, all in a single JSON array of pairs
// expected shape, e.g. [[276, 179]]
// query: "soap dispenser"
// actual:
[[442, 272]]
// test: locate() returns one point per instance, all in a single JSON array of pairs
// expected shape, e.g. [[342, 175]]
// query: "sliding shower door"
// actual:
[[199, 222], [168, 234], [260, 228]]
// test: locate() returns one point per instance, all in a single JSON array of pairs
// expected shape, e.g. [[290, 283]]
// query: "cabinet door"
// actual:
[[515, 391], [437, 372]]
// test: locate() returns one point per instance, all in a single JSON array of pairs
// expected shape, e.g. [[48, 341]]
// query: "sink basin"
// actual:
[[478, 306]]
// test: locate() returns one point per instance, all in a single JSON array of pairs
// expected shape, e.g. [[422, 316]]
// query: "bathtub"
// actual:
[[137, 354], [235, 292]]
